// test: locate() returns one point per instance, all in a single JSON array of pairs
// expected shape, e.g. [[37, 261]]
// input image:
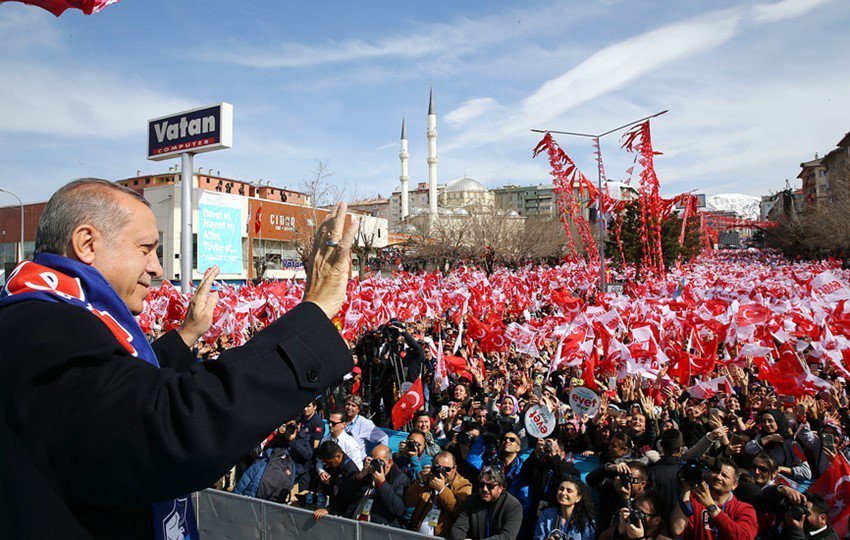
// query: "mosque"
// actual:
[[428, 200]]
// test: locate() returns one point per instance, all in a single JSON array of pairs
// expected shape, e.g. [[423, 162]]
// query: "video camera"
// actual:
[[692, 471]]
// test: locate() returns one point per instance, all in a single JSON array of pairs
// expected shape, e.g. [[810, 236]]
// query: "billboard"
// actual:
[[220, 226], [197, 130]]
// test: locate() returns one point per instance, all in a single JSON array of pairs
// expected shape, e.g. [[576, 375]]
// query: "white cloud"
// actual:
[[785, 9], [451, 39], [69, 101], [616, 65], [469, 110]]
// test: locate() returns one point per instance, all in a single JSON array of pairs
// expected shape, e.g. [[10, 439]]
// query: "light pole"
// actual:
[[599, 215], [2, 190]]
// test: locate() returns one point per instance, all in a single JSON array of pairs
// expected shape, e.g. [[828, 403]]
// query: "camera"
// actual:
[[627, 479], [692, 471], [377, 465], [636, 516], [796, 512], [290, 428], [439, 471], [463, 438], [557, 534]]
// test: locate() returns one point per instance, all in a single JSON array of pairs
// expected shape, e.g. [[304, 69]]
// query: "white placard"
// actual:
[[539, 421], [584, 401]]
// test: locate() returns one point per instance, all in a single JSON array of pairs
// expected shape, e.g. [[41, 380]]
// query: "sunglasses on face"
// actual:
[[488, 486], [761, 468], [332, 423], [510, 440]]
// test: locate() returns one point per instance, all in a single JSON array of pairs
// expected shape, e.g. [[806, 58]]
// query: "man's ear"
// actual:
[[83, 241]]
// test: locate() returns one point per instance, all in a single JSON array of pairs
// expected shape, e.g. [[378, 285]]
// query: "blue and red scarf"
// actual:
[[53, 278]]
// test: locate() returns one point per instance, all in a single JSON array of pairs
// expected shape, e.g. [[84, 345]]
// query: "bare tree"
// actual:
[[364, 246], [321, 194]]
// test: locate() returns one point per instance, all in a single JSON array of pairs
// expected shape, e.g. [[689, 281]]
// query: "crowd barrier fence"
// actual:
[[225, 516]]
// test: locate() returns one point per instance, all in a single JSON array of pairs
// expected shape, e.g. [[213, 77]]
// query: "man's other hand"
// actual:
[[329, 265], [199, 312]]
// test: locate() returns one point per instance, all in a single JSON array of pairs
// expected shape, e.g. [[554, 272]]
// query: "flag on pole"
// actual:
[[410, 402]]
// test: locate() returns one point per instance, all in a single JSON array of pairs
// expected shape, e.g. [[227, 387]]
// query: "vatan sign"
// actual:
[[220, 226], [539, 421], [198, 130], [584, 401]]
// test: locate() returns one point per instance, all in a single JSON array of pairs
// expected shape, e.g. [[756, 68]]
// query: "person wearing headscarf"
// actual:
[[775, 438]]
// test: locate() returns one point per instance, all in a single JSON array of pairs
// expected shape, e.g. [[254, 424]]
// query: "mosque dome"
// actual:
[[466, 184]]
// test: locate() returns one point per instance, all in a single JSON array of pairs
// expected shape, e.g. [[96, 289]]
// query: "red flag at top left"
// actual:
[[58, 7]]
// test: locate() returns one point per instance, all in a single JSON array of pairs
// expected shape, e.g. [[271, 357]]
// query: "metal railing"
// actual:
[[223, 515]]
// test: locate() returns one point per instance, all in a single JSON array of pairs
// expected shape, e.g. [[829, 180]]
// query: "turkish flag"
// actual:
[[834, 486], [258, 219], [57, 7], [406, 407], [589, 369], [752, 314]]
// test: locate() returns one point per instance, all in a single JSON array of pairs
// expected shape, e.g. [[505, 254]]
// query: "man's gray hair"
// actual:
[[493, 474], [86, 200]]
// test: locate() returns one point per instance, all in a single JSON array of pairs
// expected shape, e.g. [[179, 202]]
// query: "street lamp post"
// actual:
[[599, 216], [21, 204]]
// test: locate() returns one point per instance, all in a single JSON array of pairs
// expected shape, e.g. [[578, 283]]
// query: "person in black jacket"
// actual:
[[92, 435], [311, 431], [616, 485], [663, 474], [490, 513], [342, 486], [384, 503]]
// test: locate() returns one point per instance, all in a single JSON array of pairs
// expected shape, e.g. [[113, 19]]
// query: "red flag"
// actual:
[[57, 7], [258, 219], [406, 407], [589, 369], [834, 486], [752, 314]]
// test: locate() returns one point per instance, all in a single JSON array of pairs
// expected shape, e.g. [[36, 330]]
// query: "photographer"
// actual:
[[708, 510], [810, 522], [572, 518], [663, 474], [643, 519], [434, 501], [299, 448], [384, 499], [617, 484], [411, 456]]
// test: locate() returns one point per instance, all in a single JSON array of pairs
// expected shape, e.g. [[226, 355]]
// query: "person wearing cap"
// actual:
[[361, 429]]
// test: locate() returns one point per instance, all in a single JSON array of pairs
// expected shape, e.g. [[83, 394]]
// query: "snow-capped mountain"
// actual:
[[746, 206]]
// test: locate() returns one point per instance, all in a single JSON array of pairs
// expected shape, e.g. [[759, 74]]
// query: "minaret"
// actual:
[[432, 157], [403, 155]]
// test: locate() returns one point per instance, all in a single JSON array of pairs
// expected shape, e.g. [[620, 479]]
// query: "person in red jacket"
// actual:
[[709, 510]]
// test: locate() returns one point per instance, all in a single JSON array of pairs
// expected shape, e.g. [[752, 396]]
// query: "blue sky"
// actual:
[[753, 88]]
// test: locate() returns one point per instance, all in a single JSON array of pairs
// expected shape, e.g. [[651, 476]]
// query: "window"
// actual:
[[147, 180]]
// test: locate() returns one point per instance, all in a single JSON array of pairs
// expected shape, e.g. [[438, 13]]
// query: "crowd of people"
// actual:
[[722, 397]]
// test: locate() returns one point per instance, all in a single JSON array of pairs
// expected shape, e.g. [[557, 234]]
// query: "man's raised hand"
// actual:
[[199, 312], [329, 265]]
